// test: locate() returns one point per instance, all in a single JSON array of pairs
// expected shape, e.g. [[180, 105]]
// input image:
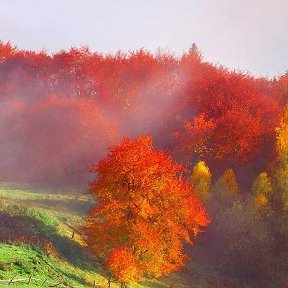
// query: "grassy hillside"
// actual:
[[36, 231], [36, 228]]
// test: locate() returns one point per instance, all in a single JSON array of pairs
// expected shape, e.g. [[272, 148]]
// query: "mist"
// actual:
[[60, 112]]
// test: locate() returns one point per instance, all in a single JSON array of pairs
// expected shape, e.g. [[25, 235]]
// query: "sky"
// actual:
[[247, 35]]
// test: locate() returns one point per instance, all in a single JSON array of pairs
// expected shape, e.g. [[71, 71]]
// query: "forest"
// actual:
[[222, 133]]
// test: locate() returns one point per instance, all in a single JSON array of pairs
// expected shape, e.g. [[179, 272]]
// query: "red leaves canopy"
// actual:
[[235, 122], [217, 114], [145, 210]]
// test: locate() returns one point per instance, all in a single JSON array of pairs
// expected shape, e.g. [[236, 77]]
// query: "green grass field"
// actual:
[[48, 254]]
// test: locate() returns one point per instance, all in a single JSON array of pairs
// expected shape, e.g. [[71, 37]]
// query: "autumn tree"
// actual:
[[281, 163], [201, 180], [280, 185], [195, 140], [232, 121], [262, 193], [283, 88], [145, 212], [226, 188]]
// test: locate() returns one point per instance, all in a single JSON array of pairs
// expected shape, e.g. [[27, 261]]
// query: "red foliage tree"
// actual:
[[145, 211], [235, 122]]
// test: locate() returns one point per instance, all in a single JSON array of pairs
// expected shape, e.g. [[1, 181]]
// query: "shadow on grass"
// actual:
[[153, 284], [29, 230]]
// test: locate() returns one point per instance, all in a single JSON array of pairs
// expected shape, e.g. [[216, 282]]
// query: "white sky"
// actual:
[[251, 35]]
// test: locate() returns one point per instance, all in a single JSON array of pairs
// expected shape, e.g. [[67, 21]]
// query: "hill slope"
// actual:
[[39, 239]]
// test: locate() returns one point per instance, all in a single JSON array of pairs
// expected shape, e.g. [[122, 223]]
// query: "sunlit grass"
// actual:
[[64, 213]]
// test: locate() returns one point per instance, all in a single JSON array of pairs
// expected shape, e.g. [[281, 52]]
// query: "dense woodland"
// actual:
[[60, 112]]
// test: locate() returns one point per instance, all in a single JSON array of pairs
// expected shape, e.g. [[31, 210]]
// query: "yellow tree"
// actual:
[[201, 180], [262, 192], [283, 87], [281, 167], [226, 187]]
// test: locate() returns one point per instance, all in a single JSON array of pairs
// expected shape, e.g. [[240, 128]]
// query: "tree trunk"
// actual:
[[109, 282]]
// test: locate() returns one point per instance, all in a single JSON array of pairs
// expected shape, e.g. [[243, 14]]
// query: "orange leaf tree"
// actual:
[[145, 212]]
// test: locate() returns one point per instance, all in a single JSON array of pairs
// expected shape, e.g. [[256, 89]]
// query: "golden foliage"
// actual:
[[201, 180]]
